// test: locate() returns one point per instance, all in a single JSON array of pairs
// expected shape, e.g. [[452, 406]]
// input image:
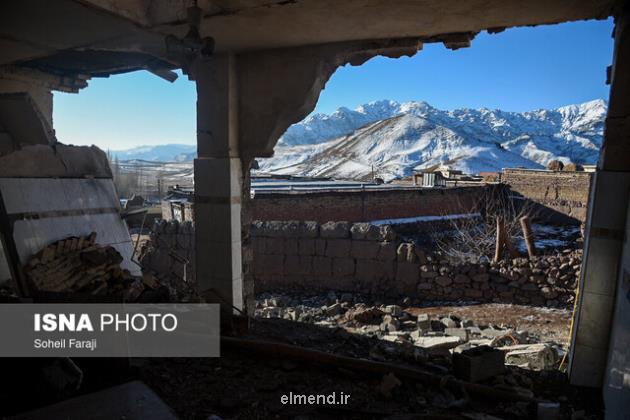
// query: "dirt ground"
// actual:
[[249, 385], [548, 324]]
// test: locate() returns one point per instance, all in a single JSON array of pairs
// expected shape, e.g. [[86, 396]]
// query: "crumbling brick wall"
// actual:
[[562, 193]]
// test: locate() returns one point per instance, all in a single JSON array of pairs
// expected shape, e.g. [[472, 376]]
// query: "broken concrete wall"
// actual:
[[170, 254], [56, 161], [363, 258], [39, 211], [557, 193], [52, 192], [41, 95]]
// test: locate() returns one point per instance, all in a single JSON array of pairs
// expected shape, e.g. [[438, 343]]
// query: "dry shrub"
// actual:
[[473, 239]]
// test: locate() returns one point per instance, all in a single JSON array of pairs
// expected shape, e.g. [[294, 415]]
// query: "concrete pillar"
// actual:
[[218, 180], [244, 104], [605, 227]]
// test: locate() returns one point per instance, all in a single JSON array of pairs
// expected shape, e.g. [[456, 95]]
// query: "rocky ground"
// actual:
[[431, 337], [432, 326], [250, 385]]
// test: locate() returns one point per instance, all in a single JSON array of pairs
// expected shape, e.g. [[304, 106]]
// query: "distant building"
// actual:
[[433, 179], [448, 172]]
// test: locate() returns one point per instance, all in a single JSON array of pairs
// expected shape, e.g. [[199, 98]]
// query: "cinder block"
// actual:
[[342, 267], [407, 276], [320, 247], [274, 246], [478, 363], [322, 266], [338, 248], [269, 264], [367, 271], [306, 246], [365, 231], [386, 251], [298, 265], [462, 333], [335, 230], [291, 246], [364, 249]]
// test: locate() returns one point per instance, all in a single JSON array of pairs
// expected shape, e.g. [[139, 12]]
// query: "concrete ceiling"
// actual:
[[42, 33], [263, 24]]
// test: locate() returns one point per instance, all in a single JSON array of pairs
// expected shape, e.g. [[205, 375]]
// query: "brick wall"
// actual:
[[364, 205], [565, 193]]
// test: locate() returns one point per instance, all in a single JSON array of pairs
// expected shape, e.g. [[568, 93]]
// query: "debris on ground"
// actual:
[[250, 384], [431, 331]]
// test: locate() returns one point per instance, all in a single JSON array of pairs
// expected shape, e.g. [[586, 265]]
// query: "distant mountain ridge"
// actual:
[[158, 153], [397, 138]]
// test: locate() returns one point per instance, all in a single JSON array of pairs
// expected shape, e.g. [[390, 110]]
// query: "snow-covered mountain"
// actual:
[[159, 153], [396, 138]]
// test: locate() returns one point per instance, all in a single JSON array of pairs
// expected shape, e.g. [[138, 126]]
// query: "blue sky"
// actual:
[[516, 70]]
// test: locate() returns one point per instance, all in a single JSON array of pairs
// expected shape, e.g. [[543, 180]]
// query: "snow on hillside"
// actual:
[[395, 139], [159, 153]]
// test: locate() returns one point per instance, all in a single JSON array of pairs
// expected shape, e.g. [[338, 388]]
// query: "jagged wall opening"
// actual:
[[145, 124], [405, 121]]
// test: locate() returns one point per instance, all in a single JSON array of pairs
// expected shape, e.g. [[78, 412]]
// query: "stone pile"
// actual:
[[79, 264], [548, 280], [432, 334]]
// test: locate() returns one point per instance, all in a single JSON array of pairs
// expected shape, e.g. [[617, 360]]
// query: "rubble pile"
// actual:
[[443, 334], [79, 264], [250, 384]]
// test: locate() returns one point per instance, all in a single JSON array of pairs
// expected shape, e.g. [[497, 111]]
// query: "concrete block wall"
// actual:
[[308, 256], [364, 258]]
